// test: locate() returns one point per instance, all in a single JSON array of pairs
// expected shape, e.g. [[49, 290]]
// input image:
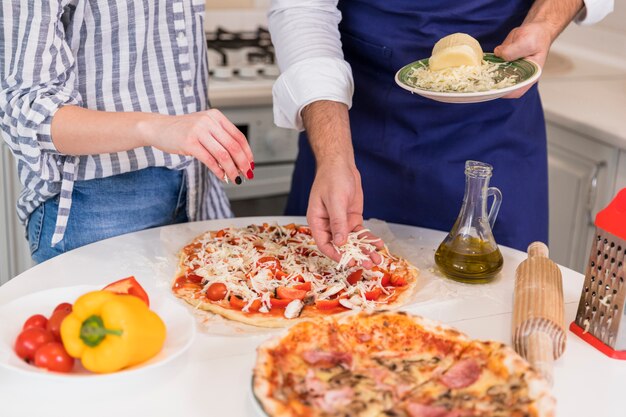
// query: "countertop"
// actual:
[[586, 93], [213, 377]]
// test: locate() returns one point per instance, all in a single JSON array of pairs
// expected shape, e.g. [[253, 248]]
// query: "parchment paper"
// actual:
[[432, 288]]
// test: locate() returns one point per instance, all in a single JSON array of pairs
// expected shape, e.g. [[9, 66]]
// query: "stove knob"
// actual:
[[271, 71], [248, 72], [223, 73]]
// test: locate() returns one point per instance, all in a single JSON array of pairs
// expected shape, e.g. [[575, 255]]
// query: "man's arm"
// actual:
[[314, 92], [546, 19]]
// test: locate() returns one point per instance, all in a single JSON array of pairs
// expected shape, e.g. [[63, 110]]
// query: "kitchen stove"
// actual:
[[242, 71]]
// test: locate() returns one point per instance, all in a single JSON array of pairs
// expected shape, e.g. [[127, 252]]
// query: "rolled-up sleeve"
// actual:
[[306, 36], [594, 11], [37, 78]]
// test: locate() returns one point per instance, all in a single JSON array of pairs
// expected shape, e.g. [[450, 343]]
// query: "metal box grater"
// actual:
[[601, 316]]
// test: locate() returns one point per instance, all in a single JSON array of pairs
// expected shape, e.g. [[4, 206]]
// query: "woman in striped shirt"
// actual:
[[104, 105]]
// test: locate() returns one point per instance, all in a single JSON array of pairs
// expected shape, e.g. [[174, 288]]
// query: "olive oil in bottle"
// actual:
[[469, 253], [469, 259]]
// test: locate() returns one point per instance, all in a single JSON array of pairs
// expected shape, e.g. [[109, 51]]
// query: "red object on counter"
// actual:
[[597, 343], [613, 218]]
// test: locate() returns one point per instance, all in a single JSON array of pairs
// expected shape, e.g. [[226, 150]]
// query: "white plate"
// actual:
[[527, 71], [257, 409], [181, 330]]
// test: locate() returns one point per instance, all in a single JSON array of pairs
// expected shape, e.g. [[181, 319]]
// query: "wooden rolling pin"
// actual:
[[538, 330]]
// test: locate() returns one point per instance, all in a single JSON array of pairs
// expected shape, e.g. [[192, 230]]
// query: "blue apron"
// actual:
[[411, 151]]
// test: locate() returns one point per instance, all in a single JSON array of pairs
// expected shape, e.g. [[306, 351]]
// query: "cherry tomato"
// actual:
[[327, 304], [38, 320], [216, 291], [129, 286], [290, 293], [30, 340], [63, 306], [54, 323], [53, 357], [355, 277]]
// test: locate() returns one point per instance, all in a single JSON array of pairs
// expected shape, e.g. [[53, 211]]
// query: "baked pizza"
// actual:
[[393, 364], [271, 275]]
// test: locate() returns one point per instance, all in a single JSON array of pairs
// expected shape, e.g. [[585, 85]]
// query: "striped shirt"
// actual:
[[113, 55]]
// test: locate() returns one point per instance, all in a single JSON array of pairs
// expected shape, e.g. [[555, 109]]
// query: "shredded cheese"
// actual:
[[463, 79], [245, 260]]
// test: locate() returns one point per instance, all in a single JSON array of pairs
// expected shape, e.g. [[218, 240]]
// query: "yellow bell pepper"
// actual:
[[109, 332]]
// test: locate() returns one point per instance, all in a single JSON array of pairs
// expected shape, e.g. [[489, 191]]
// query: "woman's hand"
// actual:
[[208, 136]]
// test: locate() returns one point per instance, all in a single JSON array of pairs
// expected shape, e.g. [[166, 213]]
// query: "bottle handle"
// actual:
[[495, 206]]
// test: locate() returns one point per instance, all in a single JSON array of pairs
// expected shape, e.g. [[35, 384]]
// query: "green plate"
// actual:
[[527, 73]]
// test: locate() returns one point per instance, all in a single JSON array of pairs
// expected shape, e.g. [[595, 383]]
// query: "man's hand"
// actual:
[[530, 41], [336, 200], [546, 19]]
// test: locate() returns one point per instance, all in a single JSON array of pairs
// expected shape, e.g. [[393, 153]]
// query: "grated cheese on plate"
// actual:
[[463, 79]]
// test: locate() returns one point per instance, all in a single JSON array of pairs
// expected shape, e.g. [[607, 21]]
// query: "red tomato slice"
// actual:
[[327, 304], [269, 262], [255, 306], [236, 302], [280, 274], [194, 278], [386, 280], [373, 295], [279, 303], [355, 277], [305, 230], [129, 286], [398, 281], [290, 293], [305, 286]]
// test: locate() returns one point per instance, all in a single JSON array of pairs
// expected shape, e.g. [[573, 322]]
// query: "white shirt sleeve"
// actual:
[[594, 11], [306, 36]]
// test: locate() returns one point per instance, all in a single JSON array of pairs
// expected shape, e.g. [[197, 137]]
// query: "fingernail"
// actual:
[[250, 174], [252, 165], [238, 180], [338, 239]]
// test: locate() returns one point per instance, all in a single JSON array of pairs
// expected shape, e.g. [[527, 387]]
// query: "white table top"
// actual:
[[213, 377]]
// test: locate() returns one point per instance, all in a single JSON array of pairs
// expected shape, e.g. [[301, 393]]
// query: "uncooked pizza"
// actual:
[[393, 364], [272, 275]]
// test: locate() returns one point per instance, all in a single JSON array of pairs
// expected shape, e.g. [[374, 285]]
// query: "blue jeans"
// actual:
[[107, 207]]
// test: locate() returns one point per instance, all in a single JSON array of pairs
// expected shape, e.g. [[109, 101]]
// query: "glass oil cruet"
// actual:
[[469, 253]]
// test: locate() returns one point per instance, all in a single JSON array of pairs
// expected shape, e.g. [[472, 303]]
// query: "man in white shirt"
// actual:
[[410, 151]]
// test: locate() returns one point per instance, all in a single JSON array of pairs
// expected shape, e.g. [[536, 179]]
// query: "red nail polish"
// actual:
[[250, 174], [252, 165]]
